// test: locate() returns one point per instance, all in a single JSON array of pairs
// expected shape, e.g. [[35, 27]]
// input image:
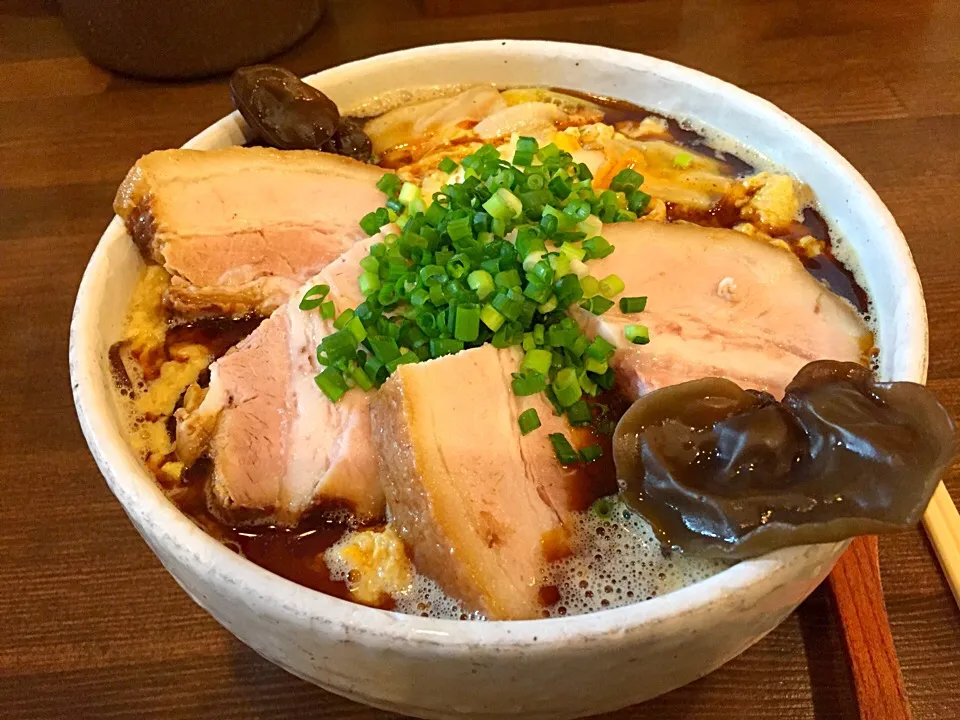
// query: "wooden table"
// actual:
[[90, 623]]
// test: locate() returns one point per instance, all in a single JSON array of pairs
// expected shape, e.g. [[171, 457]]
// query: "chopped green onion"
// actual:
[[549, 306], [587, 383], [384, 348], [528, 383], [431, 275], [491, 317], [559, 187], [538, 292], [533, 259], [568, 290], [389, 185], [591, 453], [408, 193], [356, 329], [372, 222], [507, 336], [683, 160], [341, 322], [417, 205], [578, 414], [566, 387], [543, 272], [458, 266], [549, 225], [537, 360], [633, 304], [577, 210], [529, 241], [591, 226], [481, 282], [314, 297], [467, 326], [572, 251], [548, 152], [387, 295], [599, 367], [597, 247], [503, 205], [435, 214], [637, 334], [509, 302], [600, 349], [473, 267], [539, 333], [560, 264], [404, 359], [611, 285], [369, 284], [528, 421], [564, 222], [638, 201], [337, 347], [331, 382], [597, 305], [626, 179], [444, 346], [361, 378], [507, 278], [564, 450], [590, 285]]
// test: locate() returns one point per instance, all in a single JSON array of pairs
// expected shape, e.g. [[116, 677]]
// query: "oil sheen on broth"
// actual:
[[618, 559]]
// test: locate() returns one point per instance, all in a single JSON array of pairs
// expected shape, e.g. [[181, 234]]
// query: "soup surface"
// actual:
[[162, 364]]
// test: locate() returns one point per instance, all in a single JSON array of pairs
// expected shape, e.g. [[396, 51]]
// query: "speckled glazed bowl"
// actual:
[[558, 668]]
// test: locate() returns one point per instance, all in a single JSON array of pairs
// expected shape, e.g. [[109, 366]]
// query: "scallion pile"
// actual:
[[496, 258]]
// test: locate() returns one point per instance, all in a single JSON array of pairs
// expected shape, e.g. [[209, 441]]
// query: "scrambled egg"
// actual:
[[146, 329], [376, 564], [165, 371], [773, 200], [186, 363]]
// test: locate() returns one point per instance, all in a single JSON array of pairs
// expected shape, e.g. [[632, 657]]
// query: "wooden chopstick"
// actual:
[[855, 582], [942, 522]]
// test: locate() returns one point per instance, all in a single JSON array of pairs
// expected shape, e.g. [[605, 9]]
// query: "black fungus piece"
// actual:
[[725, 472], [285, 112]]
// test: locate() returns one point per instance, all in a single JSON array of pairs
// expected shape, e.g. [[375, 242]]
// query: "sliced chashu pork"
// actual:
[[479, 506], [279, 447], [240, 229], [720, 304]]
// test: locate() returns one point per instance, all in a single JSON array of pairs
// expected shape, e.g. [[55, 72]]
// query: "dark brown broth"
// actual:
[[217, 334], [298, 554]]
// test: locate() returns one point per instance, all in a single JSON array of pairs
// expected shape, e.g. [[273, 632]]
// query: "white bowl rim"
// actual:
[[140, 495]]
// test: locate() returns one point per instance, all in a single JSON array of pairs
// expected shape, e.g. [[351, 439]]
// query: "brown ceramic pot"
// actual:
[[176, 39]]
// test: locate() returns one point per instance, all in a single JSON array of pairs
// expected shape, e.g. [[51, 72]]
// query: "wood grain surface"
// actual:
[[91, 626], [858, 593]]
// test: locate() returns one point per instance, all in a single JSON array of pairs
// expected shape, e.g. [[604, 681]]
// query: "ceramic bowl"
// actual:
[[557, 668]]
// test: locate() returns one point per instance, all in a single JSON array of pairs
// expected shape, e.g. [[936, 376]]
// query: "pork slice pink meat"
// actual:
[[720, 304], [482, 508], [278, 446], [240, 229]]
